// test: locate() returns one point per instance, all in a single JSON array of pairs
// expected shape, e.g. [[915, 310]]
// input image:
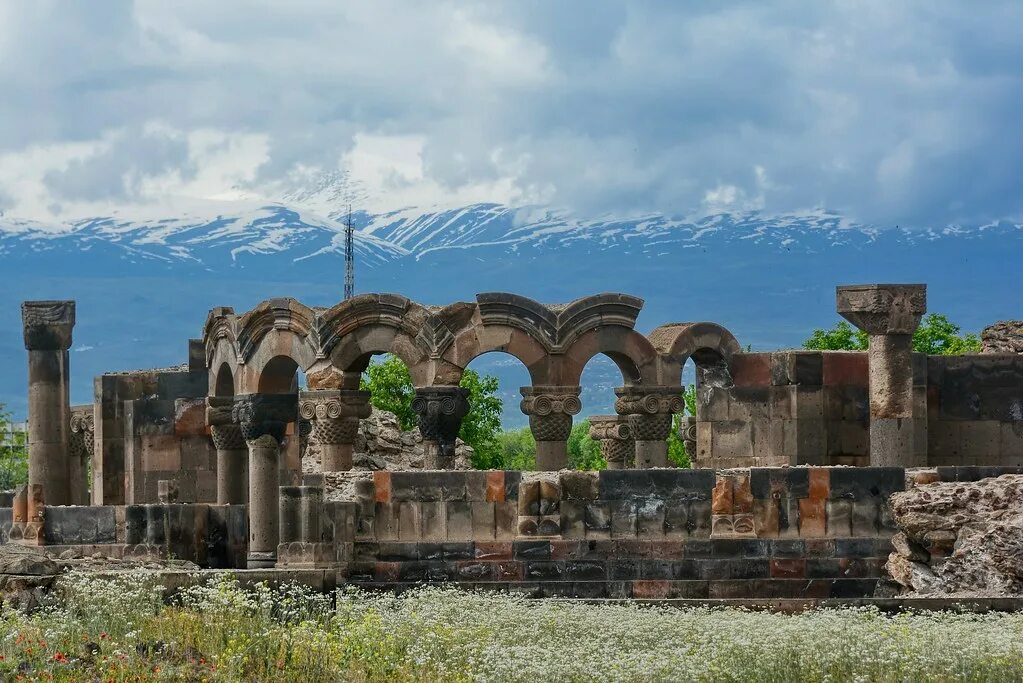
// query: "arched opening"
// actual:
[[281, 376], [224, 384], [496, 428], [390, 435], [601, 375]]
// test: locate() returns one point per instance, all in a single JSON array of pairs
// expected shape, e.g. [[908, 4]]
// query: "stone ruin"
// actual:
[[803, 460]]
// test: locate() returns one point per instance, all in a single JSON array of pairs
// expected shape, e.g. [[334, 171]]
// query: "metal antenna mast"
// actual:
[[349, 258]]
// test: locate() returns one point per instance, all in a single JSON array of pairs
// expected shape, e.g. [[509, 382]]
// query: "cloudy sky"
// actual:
[[889, 112]]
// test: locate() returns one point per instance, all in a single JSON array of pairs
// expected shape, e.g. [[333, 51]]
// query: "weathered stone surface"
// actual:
[[26, 560], [1005, 336], [960, 537]]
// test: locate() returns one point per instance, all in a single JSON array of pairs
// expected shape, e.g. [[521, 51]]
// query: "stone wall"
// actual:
[[765, 532], [812, 407]]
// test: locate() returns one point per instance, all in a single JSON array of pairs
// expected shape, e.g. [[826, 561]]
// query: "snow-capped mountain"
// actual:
[[145, 277]]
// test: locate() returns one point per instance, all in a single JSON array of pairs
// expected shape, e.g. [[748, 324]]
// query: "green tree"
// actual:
[[13, 453], [936, 335], [678, 455], [392, 390], [583, 452], [518, 449]]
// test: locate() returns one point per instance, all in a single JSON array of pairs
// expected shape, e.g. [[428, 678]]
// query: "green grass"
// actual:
[[120, 630]]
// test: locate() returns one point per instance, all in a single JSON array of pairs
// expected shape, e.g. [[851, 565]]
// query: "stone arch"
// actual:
[[353, 331], [710, 345], [274, 328], [278, 376], [633, 353], [478, 340]]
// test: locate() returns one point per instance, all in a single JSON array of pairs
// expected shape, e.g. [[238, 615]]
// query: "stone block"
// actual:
[[1011, 442], [483, 520], [597, 517], [695, 484], [459, 520], [676, 519], [529, 498], [531, 550], [495, 492], [812, 517], [491, 551], [410, 521], [845, 368], [732, 439], [766, 519], [839, 517], [751, 369], [713, 405], [79, 525], [548, 525], [387, 521], [512, 479], [476, 485], [505, 519], [160, 452], [434, 520], [550, 497], [650, 516], [698, 518], [623, 519], [980, 441], [579, 485], [865, 516], [190, 417], [858, 483], [573, 518]]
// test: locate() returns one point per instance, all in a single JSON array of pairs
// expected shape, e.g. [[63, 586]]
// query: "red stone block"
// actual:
[[567, 549], [721, 500], [751, 369], [190, 417], [845, 368], [788, 568], [386, 571], [382, 486], [820, 483], [742, 496], [495, 486], [651, 590], [812, 517]]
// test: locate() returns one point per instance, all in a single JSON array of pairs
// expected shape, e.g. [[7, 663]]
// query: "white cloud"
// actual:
[[889, 112]]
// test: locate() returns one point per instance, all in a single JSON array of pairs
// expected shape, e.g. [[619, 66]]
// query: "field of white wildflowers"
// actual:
[[120, 630]]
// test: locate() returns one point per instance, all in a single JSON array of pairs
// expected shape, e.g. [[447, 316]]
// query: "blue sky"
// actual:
[[888, 112]]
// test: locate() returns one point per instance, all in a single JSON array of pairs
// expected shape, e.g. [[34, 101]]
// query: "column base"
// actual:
[[261, 560]]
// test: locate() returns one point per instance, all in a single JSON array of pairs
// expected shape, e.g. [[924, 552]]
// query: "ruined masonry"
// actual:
[[796, 453]]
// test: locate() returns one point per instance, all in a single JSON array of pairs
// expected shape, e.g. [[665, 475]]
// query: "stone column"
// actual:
[[550, 409], [47, 328], [649, 410], [440, 411], [889, 314], [335, 415], [232, 452], [615, 437], [263, 419], [81, 446]]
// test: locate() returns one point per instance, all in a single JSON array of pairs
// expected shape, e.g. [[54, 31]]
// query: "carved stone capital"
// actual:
[[227, 437], [649, 400], [615, 437], [440, 411], [264, 415], [546, 400], [48, 324], [333, 404], [83, 427], [550, 409], [882, 309], [220, 410]]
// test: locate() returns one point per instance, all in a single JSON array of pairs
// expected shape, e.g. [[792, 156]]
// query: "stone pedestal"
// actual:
[[550, 409], [263, 419], [889, 314], [649, 410], [615, 437], [47, 329], [440, 411], [335, 415], [232, 451]]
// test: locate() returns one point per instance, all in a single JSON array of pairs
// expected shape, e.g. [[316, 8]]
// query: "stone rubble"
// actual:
[[1005, 336], [959, 537], [382, 445]]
